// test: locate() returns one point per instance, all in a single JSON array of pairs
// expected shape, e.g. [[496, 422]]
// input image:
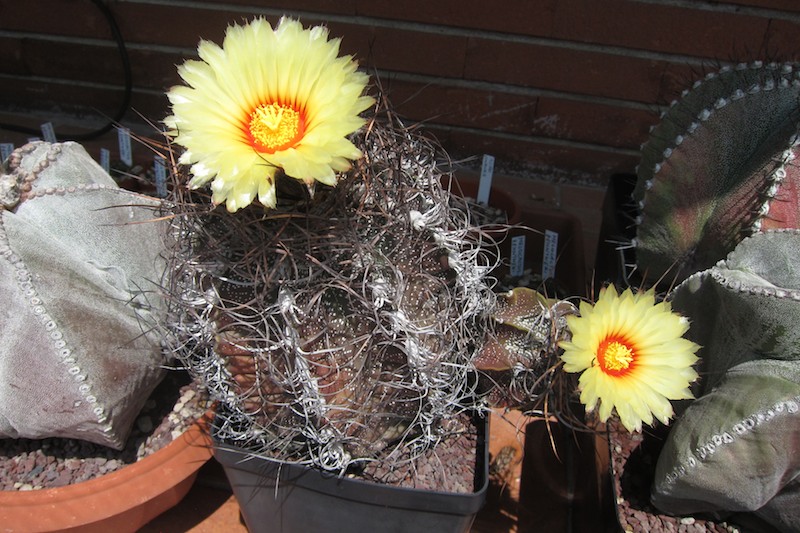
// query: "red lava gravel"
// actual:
[[448, 467], [634, 458]]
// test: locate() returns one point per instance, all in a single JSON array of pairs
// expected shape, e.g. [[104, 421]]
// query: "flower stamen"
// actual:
[[274, 127], [614, 356]]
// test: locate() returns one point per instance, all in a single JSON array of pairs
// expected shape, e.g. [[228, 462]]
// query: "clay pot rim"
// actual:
[[120, 491]]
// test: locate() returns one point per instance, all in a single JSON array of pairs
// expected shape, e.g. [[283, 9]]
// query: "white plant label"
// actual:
[[5, 150], [48, 132], [125, 150], [550, 255], [517, 266], [160, 169], [105, 159], [485, 184]]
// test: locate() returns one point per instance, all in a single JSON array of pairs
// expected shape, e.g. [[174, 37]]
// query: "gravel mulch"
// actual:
[[448, 467], [28, 464], [634, 458]]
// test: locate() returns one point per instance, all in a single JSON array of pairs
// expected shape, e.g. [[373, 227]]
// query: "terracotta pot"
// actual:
[[531, 222], [120, 501], [498, 198]]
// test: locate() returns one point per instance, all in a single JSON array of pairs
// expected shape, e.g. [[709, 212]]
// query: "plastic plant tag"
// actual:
[[5, 150], [517, 255], [48, 133], [160, 170], [485, 184], [125, 150], [550, 255], [105, 160]]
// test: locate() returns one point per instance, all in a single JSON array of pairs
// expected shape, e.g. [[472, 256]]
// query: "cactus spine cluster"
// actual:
[[337, 328]]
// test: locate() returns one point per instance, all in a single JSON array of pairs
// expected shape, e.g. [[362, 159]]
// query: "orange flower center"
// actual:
[[274, 127], [615, 356]]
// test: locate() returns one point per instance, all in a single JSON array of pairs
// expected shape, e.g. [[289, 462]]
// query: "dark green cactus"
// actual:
[[718, 167]]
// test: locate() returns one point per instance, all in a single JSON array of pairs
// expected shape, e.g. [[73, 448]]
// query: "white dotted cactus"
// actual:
[[518, 361], [718, 167], [80, 269], [338, 329], [734, 449]]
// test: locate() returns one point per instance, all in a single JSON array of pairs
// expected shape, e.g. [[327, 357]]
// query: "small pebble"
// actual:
[[637, 514]]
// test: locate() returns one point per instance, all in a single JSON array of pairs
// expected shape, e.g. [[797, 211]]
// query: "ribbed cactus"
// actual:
[[718, 167], [746, 307], [735, 448], [336, 329], [81, 266]]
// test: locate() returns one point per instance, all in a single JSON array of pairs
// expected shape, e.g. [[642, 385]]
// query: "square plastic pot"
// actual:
[[289, 498]]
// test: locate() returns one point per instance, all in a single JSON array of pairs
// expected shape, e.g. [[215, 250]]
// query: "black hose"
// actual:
[[126, 99]]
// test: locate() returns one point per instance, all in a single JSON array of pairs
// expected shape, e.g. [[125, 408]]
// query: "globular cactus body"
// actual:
[[746, 307], [518, 359], [735, 448], [81, 269], [339, 329]]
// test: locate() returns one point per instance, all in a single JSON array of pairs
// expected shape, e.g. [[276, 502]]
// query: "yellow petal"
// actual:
[[658, 364], [258, 65]]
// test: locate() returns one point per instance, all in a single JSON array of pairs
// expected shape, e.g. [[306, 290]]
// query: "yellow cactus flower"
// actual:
[[632, 356], [267, 99]]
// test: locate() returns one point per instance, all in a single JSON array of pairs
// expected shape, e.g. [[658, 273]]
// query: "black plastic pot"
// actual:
[[291, 498]]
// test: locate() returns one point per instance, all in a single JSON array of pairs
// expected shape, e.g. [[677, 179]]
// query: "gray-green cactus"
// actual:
[[80, 272], [718, 167], [734, 449], [746, 307]]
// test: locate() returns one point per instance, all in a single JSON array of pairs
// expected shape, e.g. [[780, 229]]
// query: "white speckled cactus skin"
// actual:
[[718, 167], [80, 269], [735, 448], [746, 307]]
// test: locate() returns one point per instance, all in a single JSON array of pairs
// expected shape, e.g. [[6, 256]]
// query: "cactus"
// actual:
[[718, 167], [518, 360], [339, 328], [340, 323], [80, 274], [746, 307], [734, 449]]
